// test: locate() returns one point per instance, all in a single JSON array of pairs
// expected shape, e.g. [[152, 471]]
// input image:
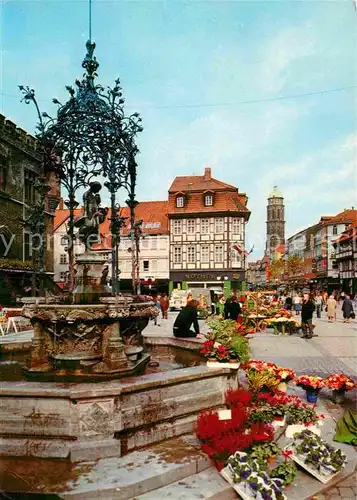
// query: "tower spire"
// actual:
[[90, 20]]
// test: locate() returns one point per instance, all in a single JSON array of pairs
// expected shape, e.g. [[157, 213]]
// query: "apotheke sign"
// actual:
[[205, 276]]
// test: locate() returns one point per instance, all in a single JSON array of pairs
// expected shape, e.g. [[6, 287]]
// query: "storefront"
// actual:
[[216, 281]]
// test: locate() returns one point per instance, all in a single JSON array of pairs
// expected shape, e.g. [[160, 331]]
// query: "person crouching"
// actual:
[[185, 319]]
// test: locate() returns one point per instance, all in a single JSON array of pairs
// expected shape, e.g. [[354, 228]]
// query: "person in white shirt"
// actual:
[[297, 304]]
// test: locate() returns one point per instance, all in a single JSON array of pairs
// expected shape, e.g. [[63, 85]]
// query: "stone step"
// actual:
[[138, 473], [208, 485]]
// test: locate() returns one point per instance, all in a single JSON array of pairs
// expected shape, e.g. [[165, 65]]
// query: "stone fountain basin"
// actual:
[[88, 421]]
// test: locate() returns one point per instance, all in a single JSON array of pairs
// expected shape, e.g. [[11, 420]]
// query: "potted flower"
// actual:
[[285, 375], [339, 383], [286, 470], [208, 350], [318, 455], [312, 386]]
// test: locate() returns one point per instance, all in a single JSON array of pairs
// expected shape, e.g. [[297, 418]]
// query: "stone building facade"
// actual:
[[207, 220], [20, 167]]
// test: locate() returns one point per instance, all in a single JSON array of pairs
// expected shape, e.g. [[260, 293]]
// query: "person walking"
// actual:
[[307, 311], [164, 302], [331, 305], [318, 304], [158, 307], [232, 310], [185, 319], [347, 309]]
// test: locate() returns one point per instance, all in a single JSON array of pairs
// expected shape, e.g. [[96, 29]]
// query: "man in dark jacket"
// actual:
[[307, 311], [347, 309], [185, 319], [232, 309]]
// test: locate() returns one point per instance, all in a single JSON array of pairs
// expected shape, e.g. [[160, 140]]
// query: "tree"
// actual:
[[295, 266]]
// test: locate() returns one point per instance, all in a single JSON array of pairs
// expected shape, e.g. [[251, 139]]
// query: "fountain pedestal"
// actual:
[[87, 342]]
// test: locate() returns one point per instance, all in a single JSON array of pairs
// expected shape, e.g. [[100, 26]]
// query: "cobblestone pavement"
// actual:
[[334, 350], [346, 490]]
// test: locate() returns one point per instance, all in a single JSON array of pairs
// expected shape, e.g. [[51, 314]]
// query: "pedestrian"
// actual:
[[232, 310], [288, 303], [307, 311], [158, 307], [164, 302], [220, 307], [297, 304], [331, 305], [185, 319], [318, 304], [347, 308]]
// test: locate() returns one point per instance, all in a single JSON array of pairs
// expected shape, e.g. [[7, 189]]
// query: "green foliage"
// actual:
[[15, 264], [239, 347], [286, 471]]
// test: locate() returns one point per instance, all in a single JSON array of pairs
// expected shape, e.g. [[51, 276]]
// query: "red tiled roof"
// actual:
[[226, 196], [223, 202], [198, 183], [61, 216], [153, 214], [349, 215]]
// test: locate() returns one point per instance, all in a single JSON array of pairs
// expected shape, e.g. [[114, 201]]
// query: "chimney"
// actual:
[[207, 174]]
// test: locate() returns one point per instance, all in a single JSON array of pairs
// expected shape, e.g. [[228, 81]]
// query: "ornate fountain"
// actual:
[[93, 332]]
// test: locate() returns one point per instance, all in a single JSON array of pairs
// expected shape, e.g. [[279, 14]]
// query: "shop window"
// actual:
[[191, 223], [205, 226], [177, 255], [191, 254]]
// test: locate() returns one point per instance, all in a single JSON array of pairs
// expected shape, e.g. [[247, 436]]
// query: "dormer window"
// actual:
[[208, 200], [180, 201]]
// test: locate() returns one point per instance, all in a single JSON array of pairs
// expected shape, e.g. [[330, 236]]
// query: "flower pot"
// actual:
[[312, 395], [338, 396], [283, 387], [233, 361], [212, 360]]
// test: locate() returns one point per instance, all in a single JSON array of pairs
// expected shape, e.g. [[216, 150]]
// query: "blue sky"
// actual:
[[189, 67]]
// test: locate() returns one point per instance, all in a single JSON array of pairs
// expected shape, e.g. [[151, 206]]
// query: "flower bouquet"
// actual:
[[311, 385], [339, 383], [317, 456], [285, 375]]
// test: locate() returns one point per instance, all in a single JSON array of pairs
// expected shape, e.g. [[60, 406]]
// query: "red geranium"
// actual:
[[234, 397]]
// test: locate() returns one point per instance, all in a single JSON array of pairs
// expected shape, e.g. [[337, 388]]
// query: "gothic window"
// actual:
[[3, 173], [29, 186], [273, 214]]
